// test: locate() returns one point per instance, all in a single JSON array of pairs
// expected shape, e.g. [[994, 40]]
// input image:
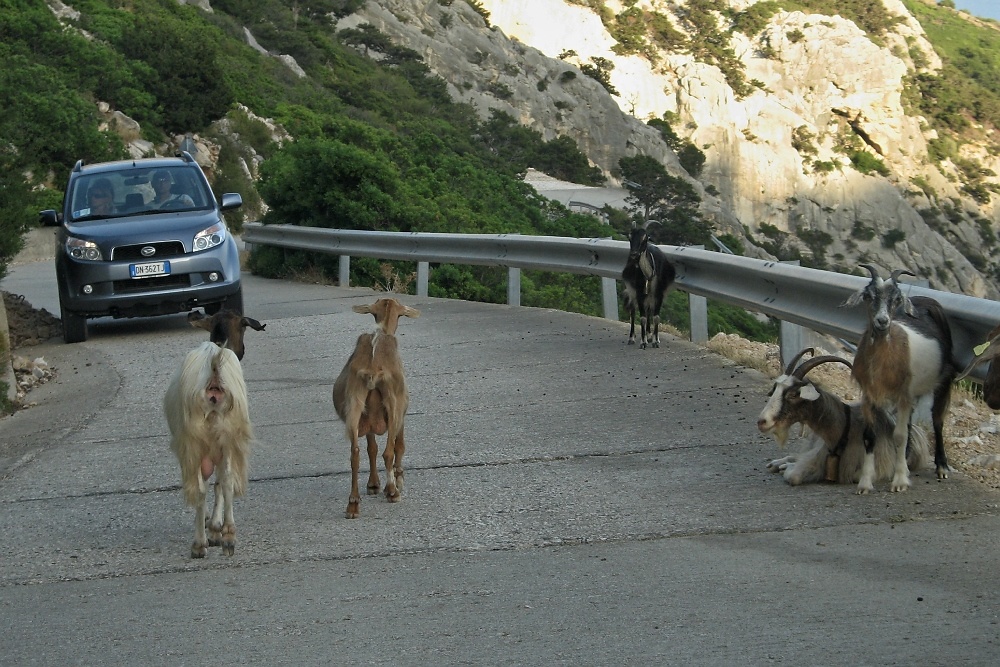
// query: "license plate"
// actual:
[[149, 269]]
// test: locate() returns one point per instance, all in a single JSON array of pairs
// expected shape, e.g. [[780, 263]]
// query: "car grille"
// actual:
[[133, 253], [151, 284]]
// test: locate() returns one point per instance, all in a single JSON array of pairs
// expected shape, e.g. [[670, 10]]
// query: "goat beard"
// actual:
[[780, 434]]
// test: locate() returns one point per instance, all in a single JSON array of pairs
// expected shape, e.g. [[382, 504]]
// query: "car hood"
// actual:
[[152, 228]]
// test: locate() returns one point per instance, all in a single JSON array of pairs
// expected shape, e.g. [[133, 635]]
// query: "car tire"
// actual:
[[74, 326]]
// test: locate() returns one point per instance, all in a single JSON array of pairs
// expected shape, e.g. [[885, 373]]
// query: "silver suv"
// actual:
[[142, 237]]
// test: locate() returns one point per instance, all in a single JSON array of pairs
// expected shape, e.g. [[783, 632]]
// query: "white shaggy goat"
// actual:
[[837, 429], [370, 397], [208, 415], [904, 355]]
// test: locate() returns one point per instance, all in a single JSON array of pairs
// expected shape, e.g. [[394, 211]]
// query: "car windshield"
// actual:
[[132, 191]]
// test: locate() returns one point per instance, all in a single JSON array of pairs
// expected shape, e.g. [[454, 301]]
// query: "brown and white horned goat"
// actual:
[[370, 397], [225, 328], [988, 351], [210, 431], [837, 429], [904, 355]]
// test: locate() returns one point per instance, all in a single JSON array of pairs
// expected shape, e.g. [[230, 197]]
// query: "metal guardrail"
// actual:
[[810, 298]]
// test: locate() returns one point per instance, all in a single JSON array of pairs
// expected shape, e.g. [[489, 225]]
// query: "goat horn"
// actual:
[[900, 272], [791, 364], [801, 371], [871, 269], [650, 222]]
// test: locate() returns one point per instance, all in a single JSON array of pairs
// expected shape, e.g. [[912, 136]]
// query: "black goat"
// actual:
[[647, 276]]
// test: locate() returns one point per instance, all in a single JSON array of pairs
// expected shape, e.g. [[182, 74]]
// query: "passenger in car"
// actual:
[[164, 199], [101, 198]]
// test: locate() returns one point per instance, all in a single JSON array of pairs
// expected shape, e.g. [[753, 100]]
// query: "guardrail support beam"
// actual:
[[609, 296], [344, 271], [513, 286], [423, 273], [698, 307]]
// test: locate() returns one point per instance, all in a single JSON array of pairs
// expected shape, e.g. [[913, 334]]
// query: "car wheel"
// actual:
[[74, 326]]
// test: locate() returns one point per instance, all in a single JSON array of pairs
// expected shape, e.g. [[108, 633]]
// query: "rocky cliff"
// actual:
[[774, 155]]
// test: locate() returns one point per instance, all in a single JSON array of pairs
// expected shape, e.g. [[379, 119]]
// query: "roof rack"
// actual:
[[78, 166], [185, 155]]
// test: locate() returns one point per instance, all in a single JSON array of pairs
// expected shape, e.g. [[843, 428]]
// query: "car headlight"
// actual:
[[209, 238], [80, 249]]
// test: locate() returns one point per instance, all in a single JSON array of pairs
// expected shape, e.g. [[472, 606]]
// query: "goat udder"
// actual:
[[207, 467]]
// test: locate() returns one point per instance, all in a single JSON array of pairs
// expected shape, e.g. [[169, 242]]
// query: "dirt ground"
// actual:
[[972, 429]]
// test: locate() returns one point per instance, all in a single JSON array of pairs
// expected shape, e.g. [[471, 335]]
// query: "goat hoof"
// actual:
[[373, 490], [353, 510], [642, 347], [392, 495], [864, 490], [228, 548], [198, 550], [942, 473], [631, 342], [656, 344]]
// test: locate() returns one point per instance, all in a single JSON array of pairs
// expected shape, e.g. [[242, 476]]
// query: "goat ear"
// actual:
[[198, 320], [908, 306], [410, 312], [855, 298], [253, 324], [808, 393], [363, 309]]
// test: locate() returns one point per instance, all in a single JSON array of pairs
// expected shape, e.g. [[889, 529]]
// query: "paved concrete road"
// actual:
[[569, 500]]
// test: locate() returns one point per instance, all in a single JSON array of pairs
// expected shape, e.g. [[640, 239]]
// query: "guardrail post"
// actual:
[[791, 337], [698, 312], [698, 308], [344, 273], [609, 296], [423, 273], [513, 286]]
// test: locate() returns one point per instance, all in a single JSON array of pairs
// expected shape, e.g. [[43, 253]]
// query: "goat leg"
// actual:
[[656, 331], [374, 484], [393, 457], [214, 524], [643, 320], [866, 482], [941, 399], [900, 437], [354, 500], [223, 526], [631, 328], [199, 547]]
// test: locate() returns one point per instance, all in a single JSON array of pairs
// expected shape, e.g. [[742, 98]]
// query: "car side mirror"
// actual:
[[231, 200], [50, 218]]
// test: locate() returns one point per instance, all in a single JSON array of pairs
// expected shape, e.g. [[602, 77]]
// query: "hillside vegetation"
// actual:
[[377, 141]]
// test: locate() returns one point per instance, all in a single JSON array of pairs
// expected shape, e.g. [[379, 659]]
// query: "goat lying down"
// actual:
[[210, 432], [837, 428], [370, 397]]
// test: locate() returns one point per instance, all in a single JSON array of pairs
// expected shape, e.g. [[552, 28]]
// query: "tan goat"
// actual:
[[370, 397], [988, 351]]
